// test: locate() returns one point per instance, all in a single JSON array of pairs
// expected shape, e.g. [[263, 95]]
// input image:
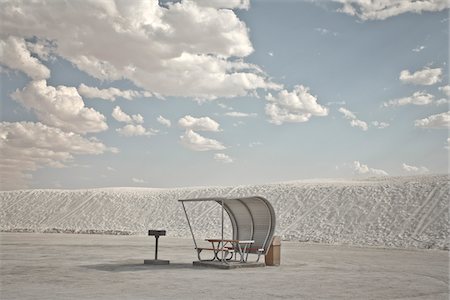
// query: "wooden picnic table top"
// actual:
[[230, 241]]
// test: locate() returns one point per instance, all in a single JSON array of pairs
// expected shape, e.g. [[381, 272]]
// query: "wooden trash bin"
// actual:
[[272, 257]]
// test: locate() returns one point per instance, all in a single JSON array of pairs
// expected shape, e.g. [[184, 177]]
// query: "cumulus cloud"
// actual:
[[164, 121], [135, 130], [445, 89], [120, 116], [383, 9], [380, 125], [223, 158], [414, 169], [418, 98], [182, 49], [198, 124], [296, 106], [418, 48], [426, 76], [15, 55], [196, 142], [237, 114], [354, 122], [363, 169], [61, 107], [110, 94], [434, 121], [27, 146]]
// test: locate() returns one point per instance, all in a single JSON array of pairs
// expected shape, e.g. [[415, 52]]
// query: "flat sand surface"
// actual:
[[72, 266]]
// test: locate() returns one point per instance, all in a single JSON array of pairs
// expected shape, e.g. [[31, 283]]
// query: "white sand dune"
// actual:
[[387, 212]]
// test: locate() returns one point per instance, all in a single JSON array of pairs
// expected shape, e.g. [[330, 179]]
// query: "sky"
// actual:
[[214, 92]]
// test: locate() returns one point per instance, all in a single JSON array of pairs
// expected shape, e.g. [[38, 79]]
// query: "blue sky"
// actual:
[[136, 93]]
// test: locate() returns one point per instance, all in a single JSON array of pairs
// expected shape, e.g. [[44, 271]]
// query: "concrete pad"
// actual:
[[228, 265], [156, 262]]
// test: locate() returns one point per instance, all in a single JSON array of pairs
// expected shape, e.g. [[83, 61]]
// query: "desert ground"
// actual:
[[90, 266]]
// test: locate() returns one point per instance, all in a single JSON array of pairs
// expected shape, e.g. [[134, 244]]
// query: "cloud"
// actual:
[[426, 76], [61, 107], [120, 116], [380, 125], [414, 169], [325, 31], [196, 142], [354, 122], [199, 124], [296, 106], [447, 146], [237, 114], [178, 49], [241, 4], [418, 98], [445, 89], [164, 121], [135, 130], [363, 169], [110, 94], [223, 158], [137, 180], [15, 55], [434, 121], [418, 48], [27, 146], [383, 9]]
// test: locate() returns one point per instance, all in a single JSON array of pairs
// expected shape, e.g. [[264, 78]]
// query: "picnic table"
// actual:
[[223, 247]]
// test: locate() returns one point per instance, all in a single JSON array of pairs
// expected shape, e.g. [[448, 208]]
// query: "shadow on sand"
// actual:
[[130, 266]]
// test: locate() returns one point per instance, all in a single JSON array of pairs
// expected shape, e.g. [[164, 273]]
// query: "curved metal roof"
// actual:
[[252, 218]]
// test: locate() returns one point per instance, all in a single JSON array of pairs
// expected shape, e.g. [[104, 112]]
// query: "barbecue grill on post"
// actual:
[[156, 261]]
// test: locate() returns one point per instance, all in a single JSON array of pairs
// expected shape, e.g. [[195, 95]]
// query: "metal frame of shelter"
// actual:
[[252, 218]]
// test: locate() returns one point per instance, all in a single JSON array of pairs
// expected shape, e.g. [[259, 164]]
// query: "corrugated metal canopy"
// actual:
[[252, 218]]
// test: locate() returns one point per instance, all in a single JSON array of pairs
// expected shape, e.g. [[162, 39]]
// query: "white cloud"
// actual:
[[135, 130], [380, 125], [120, 116], [325, 31], [296, 106], [110, 94], [270, 53], [164, 121], [434, 121], [196, 142], [27, 146], [181, 49], [241, 4], [60, 107], [199, 124], [254, 144], [363, 169], [354, 122], [445, 89], [448, 144], [237, 114], [414, 169], [383, 9], [418, 48], [426, 76], [137, 180], [15, 55], [418, 98], [223, 158]]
